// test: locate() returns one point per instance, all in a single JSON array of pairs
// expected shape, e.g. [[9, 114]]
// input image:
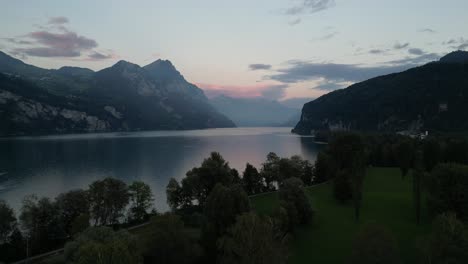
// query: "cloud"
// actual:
[[376, 51], [60, 20], [334, 73], [55, 40], [309, 7], [458, 44], [259, 66], [66, 44], [294, 22], [331, 85], [416, 51], [427, 30], [99, 56], [399, 46], [272, 91]]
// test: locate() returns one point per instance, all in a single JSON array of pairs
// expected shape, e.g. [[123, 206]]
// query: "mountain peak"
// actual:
[[122, 64], [163, 69], [458, 56]]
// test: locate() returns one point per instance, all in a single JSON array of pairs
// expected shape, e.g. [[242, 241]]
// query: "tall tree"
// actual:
[[270, 171], [71, 205], [102, 245], [141, 199], [447, 243], [7, 221], [40, 220], [295, 203], [251, 179], [167, 241], [447, 187], [432, 154], [404, 155], [174, 194], [108, 199], [251, 240], [221, 209], [418, 175], [374, 244], [324, 168]]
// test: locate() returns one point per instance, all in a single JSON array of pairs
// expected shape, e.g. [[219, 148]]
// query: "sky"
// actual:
[[277, 49]]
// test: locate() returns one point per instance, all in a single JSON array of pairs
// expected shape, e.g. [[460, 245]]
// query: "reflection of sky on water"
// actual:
[[47, 166]]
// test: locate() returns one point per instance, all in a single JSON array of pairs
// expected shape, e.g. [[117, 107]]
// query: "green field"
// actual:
[[387, 200]]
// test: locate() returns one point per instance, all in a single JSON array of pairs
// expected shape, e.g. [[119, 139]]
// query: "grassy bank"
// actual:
[[387, 200]]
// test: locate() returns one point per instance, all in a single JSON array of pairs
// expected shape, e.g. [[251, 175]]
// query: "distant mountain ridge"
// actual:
[[431, 97], [123, 97], [255, 111]]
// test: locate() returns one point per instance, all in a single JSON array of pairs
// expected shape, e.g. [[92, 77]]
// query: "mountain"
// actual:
[[432, 97], [255, 111], [123, 97]]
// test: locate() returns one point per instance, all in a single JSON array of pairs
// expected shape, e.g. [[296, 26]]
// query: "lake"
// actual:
[[49, 165]]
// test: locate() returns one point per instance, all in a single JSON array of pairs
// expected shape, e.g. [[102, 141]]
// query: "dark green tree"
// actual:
[[342, 188], [174, 195], [456, 151], [447, 188], [418, 175], [432, 154], [270, 171], [448, 242], [167, 241], [375, 244], [41, 222], [102, 245], [200, 181], [71, 205], [221, 209], [108, 199], [252, 181], [251, 240], [324, 168], [7, 222], [141, 200], [404, 155], [295, 203], [79, 224]]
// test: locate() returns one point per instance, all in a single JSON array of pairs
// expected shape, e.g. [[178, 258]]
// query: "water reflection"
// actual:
[[47, 166]]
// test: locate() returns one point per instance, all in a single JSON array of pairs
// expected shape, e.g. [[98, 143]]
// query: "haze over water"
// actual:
[[49, 165]]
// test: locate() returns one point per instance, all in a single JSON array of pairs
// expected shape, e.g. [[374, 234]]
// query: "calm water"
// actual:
[[49, 165]]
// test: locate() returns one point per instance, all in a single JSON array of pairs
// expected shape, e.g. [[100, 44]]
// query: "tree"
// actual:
[[295, 203], [79, 224], [221, 209], [447, 187], [358, 172], [166, 241], [344, 148], [432, 154], [71, 205], [40, 220], [270, 171], [253, 182], [200, 181], [324, 168], [141, 200], [448, 242], [342, 189], [102, 245], [7, 222], [174, 194], [404, 155], [251, 240], [456, 151], [375, 244], [418, 175], [108, 199]]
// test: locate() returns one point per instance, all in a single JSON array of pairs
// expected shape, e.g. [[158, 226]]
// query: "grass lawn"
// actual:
[[387, 200]]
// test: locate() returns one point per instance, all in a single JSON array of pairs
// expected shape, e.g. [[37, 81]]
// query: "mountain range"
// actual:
[[256, 111], [123, 97], [432, 97]]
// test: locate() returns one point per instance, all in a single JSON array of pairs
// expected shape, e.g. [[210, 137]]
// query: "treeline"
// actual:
[[44, 224], [214, 198], [438, 167]]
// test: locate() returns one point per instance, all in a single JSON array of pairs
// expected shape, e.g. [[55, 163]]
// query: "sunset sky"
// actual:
[[277, 49]]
